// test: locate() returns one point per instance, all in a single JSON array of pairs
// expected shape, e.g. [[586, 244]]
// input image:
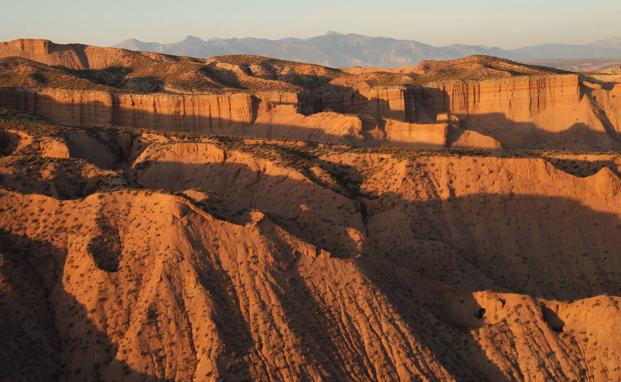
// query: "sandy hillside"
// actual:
[[242, 218], [149, 256]]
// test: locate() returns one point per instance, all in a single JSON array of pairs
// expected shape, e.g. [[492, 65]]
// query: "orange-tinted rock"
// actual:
[[520, 106], [207, 258], [520, 112], [421, 135], [469, 139]]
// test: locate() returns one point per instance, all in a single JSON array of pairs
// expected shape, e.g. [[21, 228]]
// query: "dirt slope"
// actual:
[[246, 218], [135, 255]]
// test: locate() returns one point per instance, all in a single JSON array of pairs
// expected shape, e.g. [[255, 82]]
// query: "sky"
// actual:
[[504, 23]]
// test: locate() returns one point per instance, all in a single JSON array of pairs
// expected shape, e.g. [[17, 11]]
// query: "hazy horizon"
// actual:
[[511, 24], [182, 38]]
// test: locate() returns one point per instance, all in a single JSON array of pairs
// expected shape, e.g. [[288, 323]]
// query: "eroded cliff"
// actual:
[[137, 255], [244, 218], [516, 105]]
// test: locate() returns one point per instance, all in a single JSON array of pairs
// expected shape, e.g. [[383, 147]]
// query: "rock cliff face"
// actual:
[[74, 107], [516, 105], [73, 56], [390, 102], [550, 112], [554, 111], [157, 111], [607, 101], [46, 52], [258, 115], [270, 114]]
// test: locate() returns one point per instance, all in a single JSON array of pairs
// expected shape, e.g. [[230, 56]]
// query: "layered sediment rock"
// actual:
[[391, 102], [404, 133], [73, 56], [157, 111], [73, 107], [540, 111], [268, 114], [260, 97], [551, 111], [607, 100], [46, 52]]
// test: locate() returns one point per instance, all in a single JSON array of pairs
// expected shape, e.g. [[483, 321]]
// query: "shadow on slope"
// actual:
[[46, 328], [510, 240], [528, 135], [547, 247], [541, 246]]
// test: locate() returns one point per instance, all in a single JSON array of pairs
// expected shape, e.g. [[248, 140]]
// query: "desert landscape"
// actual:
[[245, 218]]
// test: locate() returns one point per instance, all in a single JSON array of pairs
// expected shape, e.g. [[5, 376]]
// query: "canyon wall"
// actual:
[[608, 99], [548, 111], [266, 114], [45, 52], [395, 102], [269, 114], [535, 112], [517, 105], [158, 111]]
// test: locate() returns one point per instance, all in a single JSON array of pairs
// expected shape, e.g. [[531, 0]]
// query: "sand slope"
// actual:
[[145, 256]]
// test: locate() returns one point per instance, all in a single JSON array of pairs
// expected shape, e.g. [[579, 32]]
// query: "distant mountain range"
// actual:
[[343, 50]]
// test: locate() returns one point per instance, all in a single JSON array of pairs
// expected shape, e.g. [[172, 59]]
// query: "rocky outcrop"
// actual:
[[390, 102], [516, 105], [423, 135], [469, 139], [263, 115], [607, 100], [46, 52], [75, 56], [551, 111], [72, 107], [235, 114], [157, 111]]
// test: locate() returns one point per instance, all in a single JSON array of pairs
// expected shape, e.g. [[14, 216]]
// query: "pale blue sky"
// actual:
[[505, 23]]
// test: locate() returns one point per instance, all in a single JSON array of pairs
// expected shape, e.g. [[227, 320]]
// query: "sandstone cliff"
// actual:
[[74, 56], [389, 102], [544, 111], [552, 111], [268, 114], [519, 106]]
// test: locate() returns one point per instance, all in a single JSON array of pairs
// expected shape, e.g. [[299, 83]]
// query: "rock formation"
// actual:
[[279, 221], [517, 105]]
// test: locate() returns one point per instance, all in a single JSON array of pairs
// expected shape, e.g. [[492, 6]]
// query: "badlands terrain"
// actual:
[[241, 218]]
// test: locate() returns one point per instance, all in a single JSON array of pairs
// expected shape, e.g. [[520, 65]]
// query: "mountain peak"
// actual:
[[336, 49], [190, 38], [613, 41]]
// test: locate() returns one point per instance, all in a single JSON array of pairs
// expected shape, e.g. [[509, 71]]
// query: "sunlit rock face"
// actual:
[[245, 218]]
